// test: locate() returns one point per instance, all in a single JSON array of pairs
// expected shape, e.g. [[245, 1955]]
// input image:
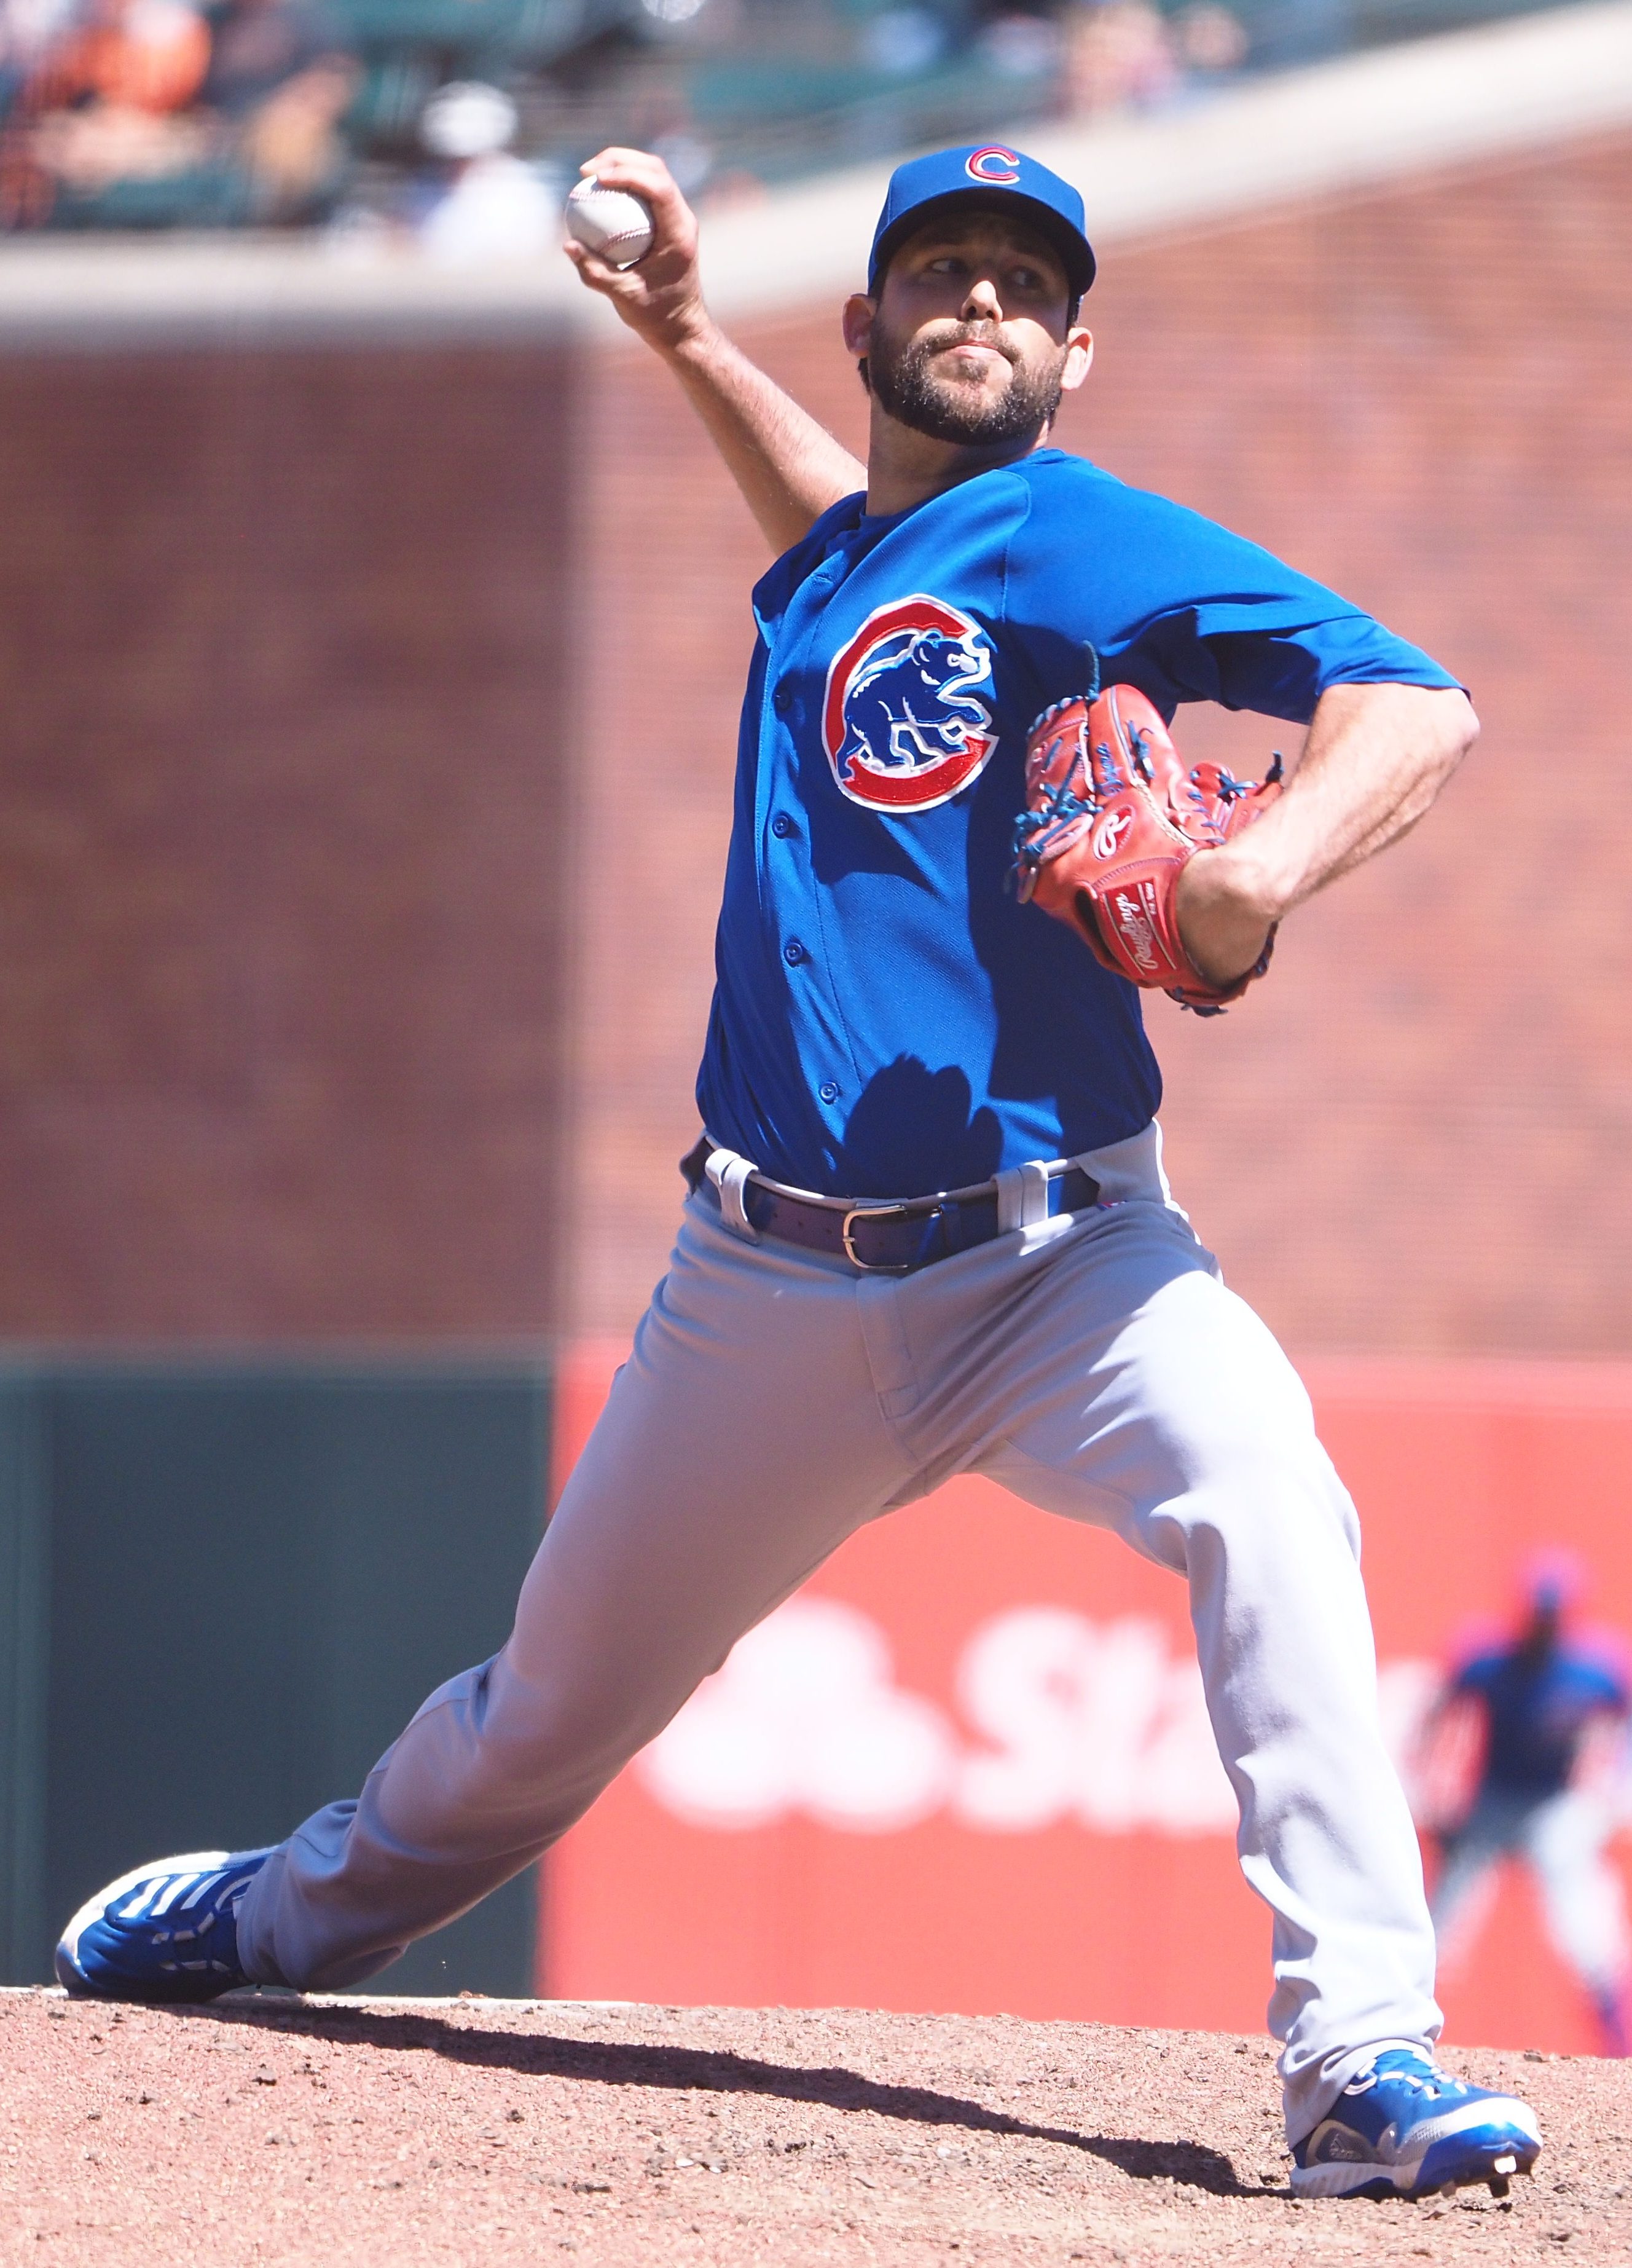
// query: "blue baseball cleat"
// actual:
[[166, 1932], [1404, 2128]]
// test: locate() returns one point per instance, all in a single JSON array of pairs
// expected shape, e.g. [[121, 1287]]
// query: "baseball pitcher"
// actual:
[[928, 1230]]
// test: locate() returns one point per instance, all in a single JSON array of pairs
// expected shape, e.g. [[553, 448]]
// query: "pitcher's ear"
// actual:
[[1078, 358]]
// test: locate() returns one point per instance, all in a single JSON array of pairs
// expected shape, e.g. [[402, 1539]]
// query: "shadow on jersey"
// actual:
[[912, 1132]]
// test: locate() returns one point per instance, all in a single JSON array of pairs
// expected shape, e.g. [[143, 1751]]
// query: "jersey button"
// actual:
[[782, 700], [828, 1090], [782, 826], [793, 953]]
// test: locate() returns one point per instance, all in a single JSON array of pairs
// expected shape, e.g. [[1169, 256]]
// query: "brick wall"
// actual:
[[1413, 1137], [284, 640]]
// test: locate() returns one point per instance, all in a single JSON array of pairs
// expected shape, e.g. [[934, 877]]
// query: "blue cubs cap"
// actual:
[[982, 173]]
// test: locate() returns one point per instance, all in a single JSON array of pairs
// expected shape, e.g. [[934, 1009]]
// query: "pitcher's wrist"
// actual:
[[1224, 916]]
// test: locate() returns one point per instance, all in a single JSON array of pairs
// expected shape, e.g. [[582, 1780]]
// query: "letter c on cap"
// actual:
[[998, 168]]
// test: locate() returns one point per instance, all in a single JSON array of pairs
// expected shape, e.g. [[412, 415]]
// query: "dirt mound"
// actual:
[[273, 2129]]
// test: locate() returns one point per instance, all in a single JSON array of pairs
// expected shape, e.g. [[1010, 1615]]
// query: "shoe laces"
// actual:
[[1034, 830], [1426, 2079]]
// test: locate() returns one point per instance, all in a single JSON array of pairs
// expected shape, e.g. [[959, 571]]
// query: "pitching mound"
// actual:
[[273, 2129]]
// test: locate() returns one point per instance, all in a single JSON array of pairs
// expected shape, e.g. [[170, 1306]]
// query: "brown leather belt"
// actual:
[[878, 1237]]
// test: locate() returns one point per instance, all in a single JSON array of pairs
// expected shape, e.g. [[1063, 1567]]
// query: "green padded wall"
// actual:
[[224, 1591]]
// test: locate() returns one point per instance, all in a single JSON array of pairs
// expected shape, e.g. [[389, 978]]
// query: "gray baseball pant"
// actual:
[[1095, 1366]]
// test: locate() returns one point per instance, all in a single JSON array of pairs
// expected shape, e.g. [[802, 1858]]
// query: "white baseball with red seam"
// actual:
[[613, 224]]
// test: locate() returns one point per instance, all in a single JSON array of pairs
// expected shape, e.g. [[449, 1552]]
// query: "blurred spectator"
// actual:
[[259, 48], [1122, 55], [900, 42], [99, 103], [148, 57], [1019, 46], [280, 74], [1211, 39], [486, 204], [90, 149], [153, 113], [1118, 53], [28, 29], [214, 113]]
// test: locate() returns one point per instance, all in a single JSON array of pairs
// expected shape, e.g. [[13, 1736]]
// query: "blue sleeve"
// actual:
[[1187, 611]]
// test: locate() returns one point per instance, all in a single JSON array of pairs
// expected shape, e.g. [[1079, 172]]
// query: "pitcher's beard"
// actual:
[[946, 411]]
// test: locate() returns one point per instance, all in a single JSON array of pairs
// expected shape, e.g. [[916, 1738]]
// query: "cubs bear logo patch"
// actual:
[[906, 719]]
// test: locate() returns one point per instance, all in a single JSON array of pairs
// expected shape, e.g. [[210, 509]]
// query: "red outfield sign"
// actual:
[[967, 1767], [906, 718]]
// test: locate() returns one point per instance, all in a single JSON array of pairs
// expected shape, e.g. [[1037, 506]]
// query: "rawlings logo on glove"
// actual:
[[1111, 819]]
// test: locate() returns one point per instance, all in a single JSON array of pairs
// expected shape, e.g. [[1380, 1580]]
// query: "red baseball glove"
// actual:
[[1111, 819]]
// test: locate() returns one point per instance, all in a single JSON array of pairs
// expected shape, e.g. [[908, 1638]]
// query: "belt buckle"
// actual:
[[871, 1267]]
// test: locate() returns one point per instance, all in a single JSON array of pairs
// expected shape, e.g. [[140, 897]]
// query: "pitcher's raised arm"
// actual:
[[789, 467]]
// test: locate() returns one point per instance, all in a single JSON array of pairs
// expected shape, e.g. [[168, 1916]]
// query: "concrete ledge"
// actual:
[[258, 291]]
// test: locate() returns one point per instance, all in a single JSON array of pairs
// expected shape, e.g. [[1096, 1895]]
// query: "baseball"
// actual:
[[613, 223]]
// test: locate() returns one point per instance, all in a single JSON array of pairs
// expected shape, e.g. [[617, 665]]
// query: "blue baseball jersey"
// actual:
[[888, 1019], [1538, 1709]]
